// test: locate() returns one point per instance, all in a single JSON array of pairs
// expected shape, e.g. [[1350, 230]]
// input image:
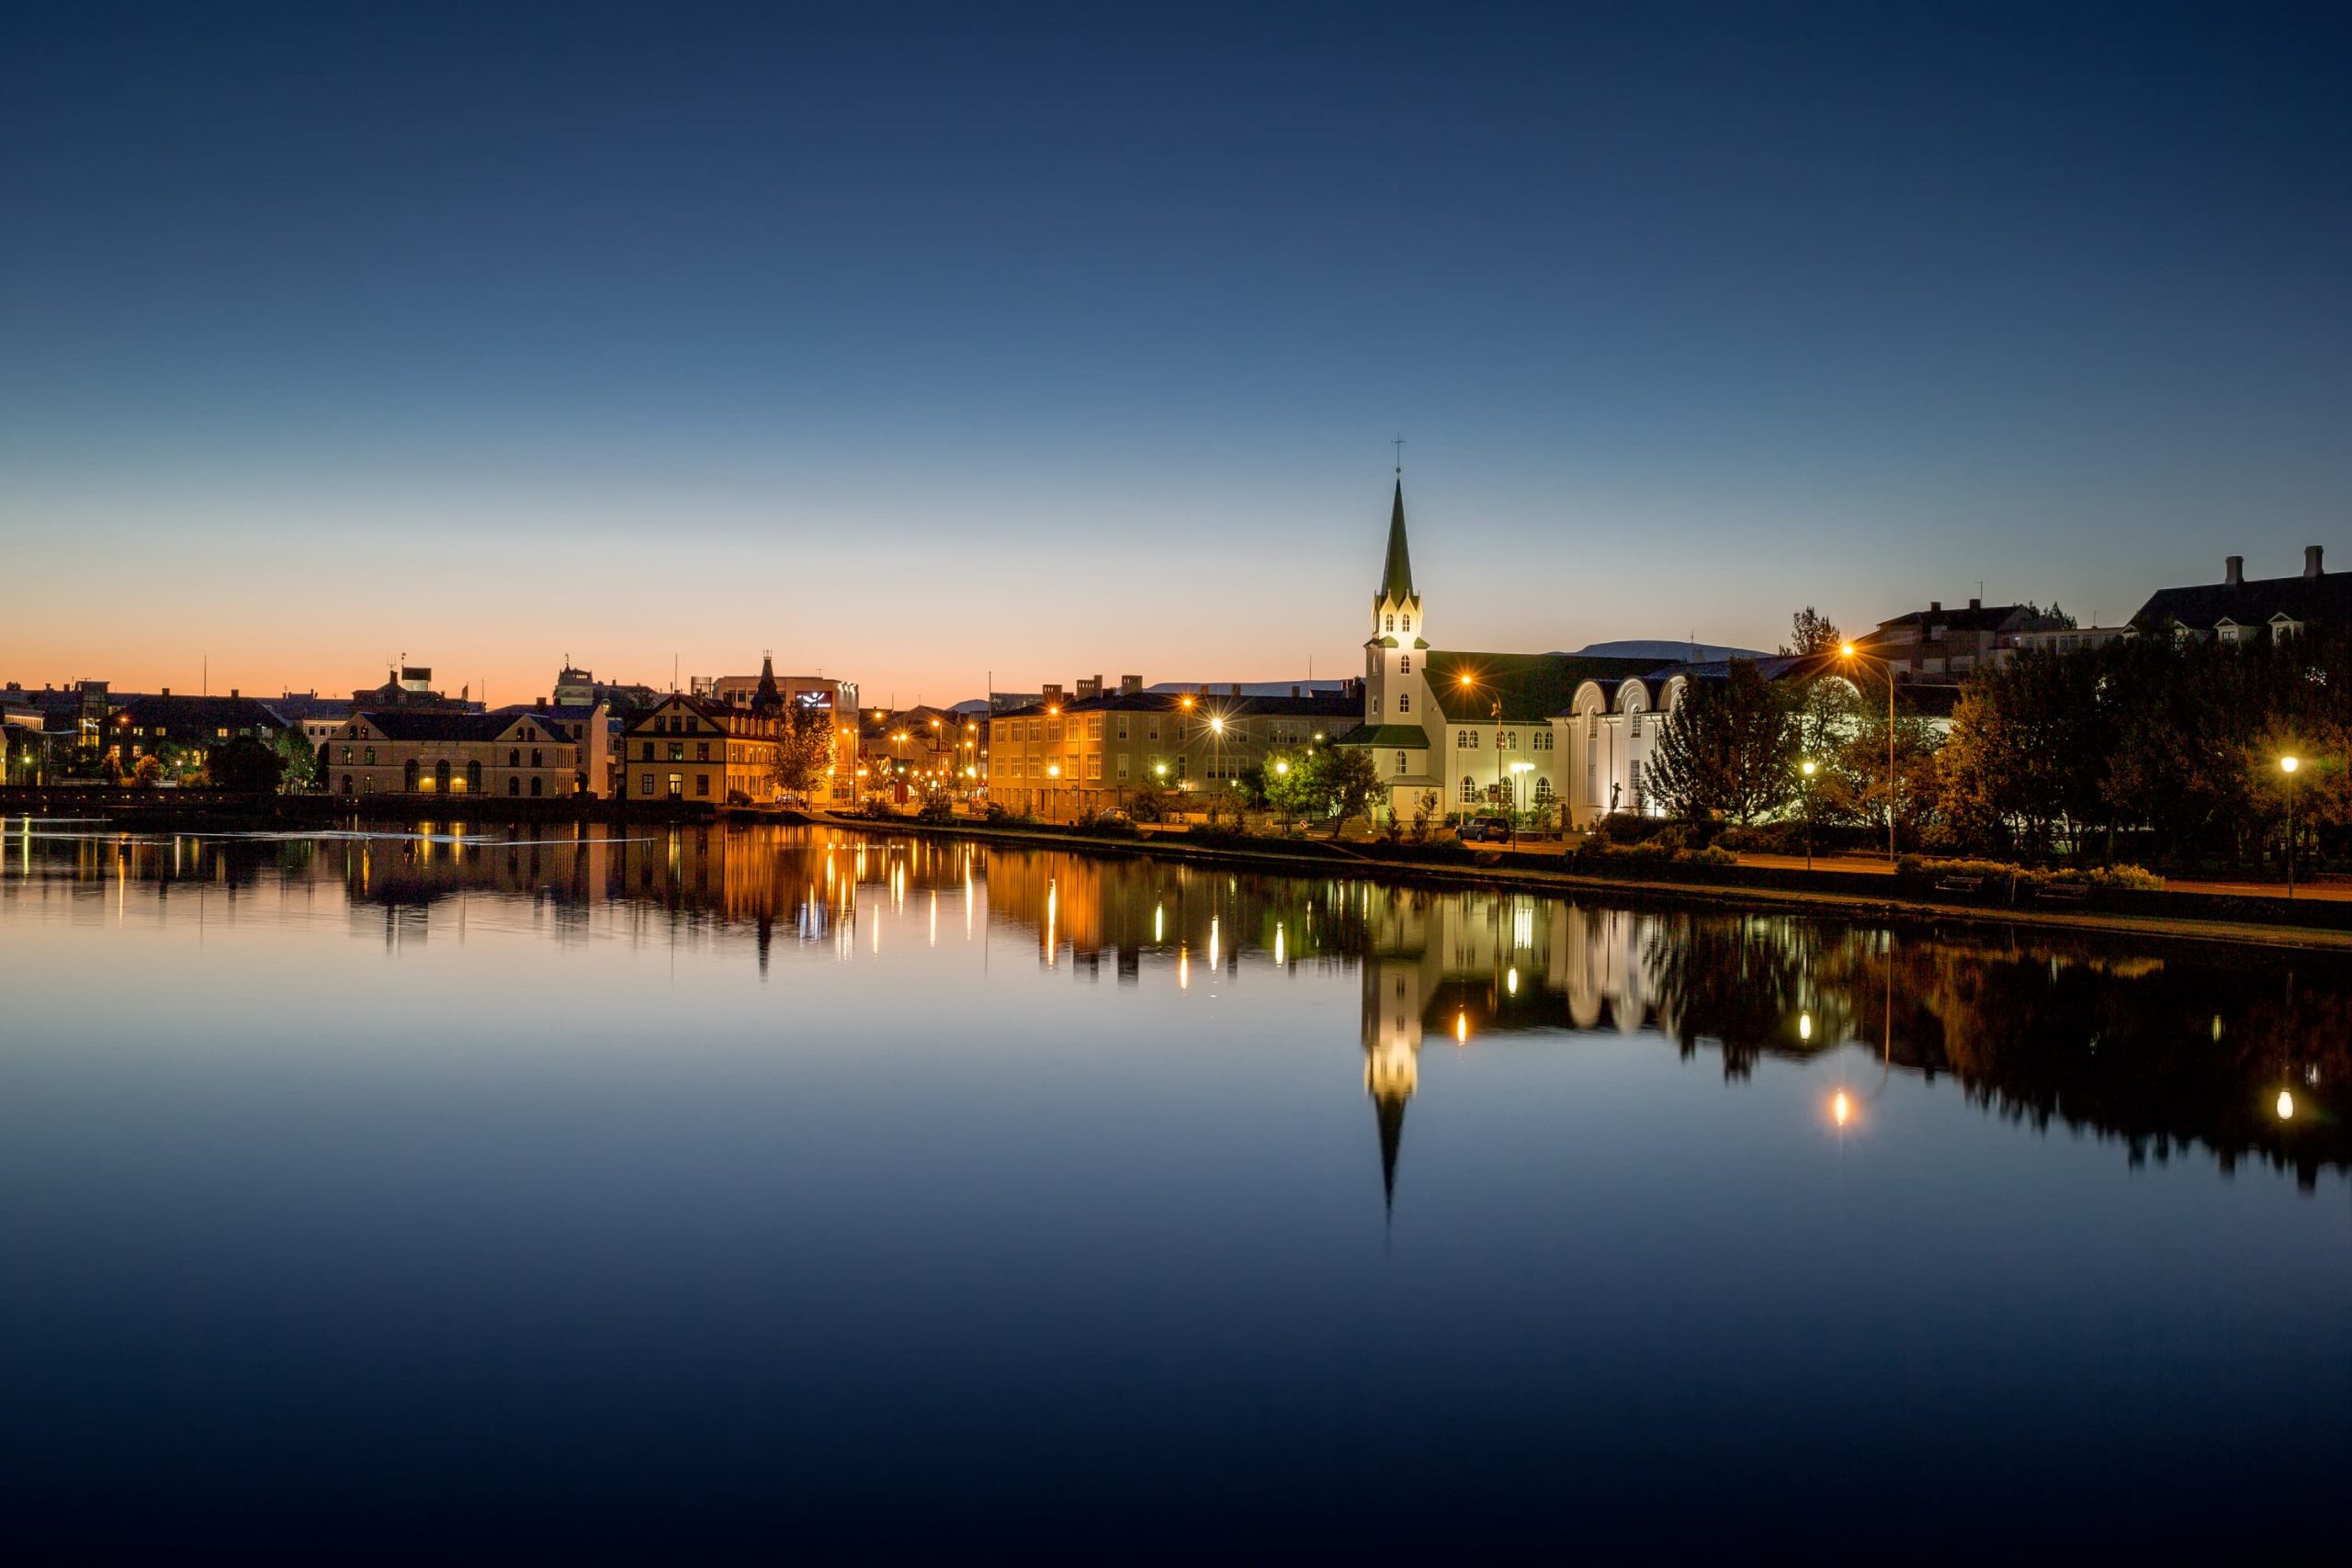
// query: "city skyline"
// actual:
[[1048, 348]]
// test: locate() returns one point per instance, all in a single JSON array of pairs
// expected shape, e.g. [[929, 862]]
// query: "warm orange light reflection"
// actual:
[[1842, 1109]]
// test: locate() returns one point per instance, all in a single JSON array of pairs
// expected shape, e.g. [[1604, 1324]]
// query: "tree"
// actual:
[[1340, 782], [1285, 784], [301, 765], [1729, 750], [149, 773], [1811, 632], [245, 765], [804, 750]]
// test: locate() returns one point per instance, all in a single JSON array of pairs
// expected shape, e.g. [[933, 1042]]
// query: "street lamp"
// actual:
[[1852, 655], [2287, 765], [1807, 768], [1517, 769]]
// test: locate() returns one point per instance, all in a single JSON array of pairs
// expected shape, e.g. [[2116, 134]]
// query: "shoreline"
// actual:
[[2315, 926]]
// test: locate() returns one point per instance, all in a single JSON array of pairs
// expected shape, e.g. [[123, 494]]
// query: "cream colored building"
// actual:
[[700, 750], [495, 757]]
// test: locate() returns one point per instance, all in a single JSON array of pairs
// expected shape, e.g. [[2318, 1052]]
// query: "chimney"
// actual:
[[1129, 685], [1294, 691], [2311, 560], [234, 694], [1935, 606], [167, 691], [1234, 690], [1976, 603], [2233, 571]]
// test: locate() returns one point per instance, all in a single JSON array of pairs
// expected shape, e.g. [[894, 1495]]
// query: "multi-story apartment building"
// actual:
[[453, 755], [701, 750], [149, 726], [1068, 755]]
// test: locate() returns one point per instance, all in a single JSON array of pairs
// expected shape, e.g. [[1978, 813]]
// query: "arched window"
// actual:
[[346, 783], [473, 778], [536, 786], [513, 785], [1542, 791], [1400, 761], [513, 757], [409, 776], [441, 777], [1388, 623], [1469, 789], [1409, 623], [1404, 702], [1637, 724], [535, 759]]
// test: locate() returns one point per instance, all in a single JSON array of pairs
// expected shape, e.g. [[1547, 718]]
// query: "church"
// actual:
[[1562, 735]]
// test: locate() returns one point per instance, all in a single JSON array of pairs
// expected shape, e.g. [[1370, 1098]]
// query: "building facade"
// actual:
[[2241, 610], [452, 756], [702, 751]]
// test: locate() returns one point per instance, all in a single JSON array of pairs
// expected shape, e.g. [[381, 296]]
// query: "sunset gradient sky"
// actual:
[[914, 344]]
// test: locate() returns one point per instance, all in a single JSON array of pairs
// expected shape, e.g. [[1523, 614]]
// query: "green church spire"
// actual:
[[1396, 576]]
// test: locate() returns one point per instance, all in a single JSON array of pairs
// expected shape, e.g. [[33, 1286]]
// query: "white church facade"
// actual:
[[1564, 736]]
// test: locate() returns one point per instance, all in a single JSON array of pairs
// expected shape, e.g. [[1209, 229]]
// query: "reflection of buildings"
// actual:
[[2160, 1053]]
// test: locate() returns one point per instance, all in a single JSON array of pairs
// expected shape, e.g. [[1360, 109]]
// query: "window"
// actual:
[[347, 757], [1467, 740], [1151, 731], [645, 784], [1053, 730], [1633, 776], [1404, 702], [371, 756], [538, 787], [1469, 789], [513, 785], [702, 750], [1543, 741], [1123, 726], [1542, 791], [702, 784], [1123, 759], [1593, 723], [1400, 761], [677, 750], [1094, 727], [346, 780], [1409, 623], [1405, 664], [1506, 739], [1375, 707], [1637, 724], [1095, 765], [535, 759], [473, 778], [677, 786], [1388, 623]]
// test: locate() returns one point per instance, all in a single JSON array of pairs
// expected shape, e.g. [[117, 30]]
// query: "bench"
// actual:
[[1960, 884], [2063, 892]]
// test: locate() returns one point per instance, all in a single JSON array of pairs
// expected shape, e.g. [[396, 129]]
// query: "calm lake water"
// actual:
[[765, 1189]]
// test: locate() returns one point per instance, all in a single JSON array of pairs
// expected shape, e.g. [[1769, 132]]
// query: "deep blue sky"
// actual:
[[915, 343]]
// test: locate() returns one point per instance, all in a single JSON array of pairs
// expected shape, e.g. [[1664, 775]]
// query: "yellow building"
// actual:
[[1096, 750], [693, 748], [424, 751]]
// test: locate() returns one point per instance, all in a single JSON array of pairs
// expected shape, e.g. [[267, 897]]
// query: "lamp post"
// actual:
[[1852, 655], [1806, 767], [1516, 770], [2287, 765]]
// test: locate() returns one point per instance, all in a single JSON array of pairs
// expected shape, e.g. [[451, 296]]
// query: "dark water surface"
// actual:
[[763, 1190]]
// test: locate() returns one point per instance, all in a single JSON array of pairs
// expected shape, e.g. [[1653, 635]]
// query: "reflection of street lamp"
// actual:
[[2286, 1105], [1848, 652], [1517, 769], [2287, 765]]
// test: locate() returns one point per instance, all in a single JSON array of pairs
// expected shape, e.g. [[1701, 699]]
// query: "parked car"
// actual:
[[1488, 830]]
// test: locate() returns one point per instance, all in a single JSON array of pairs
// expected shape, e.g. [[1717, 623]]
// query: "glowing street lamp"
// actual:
[[1854, 656], [1808, 767], [2287, 765]]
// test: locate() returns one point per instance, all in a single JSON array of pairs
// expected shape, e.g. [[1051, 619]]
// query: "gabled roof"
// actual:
[[1968, 618], [1533, 687], [2322, 600]]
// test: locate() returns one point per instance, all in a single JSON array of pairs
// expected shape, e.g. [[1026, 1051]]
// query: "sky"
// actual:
[[928, 346]]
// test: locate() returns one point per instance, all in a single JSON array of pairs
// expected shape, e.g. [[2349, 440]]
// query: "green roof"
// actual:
[[1533, 687], [1397, 574], [1405, 736]]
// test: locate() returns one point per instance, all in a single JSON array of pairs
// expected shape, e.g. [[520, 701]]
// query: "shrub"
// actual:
[[877, 809], [1713, 854], [936, 808]]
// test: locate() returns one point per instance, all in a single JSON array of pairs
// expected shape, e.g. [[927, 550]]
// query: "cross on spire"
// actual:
[[1397, 441]]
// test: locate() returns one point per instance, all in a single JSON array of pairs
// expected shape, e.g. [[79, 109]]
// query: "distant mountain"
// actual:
[[1669, 652]]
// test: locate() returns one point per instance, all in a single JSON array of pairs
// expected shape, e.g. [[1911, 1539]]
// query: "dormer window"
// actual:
[[2283, 627]]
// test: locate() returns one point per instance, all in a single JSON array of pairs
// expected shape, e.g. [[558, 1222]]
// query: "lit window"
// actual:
[[1400, 761], [1469, 789]]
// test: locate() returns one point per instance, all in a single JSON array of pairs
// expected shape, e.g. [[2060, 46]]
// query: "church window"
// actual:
[[1593, 723], [1404, 702], [1409, 623], [1405, 665], [1542, 791], [1388, 623], [1468, 740], [1469, 789], [1400, 761], [1633, 777], [1637, 724], [1543, 741]]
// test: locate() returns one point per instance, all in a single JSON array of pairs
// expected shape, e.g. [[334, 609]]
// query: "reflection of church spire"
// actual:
[[1388, 1109]]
